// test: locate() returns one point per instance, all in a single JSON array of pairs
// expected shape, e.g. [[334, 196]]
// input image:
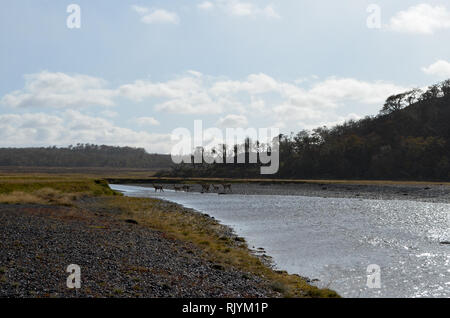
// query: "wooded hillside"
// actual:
[[409, 139]]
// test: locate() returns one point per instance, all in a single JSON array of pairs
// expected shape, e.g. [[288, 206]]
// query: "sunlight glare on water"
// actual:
[[335, 239]]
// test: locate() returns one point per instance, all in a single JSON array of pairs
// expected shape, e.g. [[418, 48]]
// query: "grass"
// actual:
[[61, 190], [41, 196], [64, 184], [93, 172], [213, 239]]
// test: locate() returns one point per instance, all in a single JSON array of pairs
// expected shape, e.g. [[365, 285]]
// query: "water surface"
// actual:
[[335, 239]]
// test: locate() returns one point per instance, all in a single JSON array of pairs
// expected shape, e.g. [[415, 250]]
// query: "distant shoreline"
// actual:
[[425, 192]]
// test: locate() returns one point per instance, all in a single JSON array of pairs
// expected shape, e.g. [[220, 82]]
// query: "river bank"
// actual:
[[117, 259], [425, 192], [126, 247], [334, 240]]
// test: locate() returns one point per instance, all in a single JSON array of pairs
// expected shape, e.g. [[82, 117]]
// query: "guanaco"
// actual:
[[205, 187], [158, 187], [226, 186], [177, 188]]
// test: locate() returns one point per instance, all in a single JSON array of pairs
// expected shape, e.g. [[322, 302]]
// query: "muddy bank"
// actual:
[[437, 193], [117, 258]]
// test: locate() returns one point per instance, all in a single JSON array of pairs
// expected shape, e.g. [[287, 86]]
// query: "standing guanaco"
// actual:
[[205, 187], [226, 186]]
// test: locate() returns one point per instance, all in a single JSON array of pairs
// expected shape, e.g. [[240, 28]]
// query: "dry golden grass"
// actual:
[[77, 172], [44, 189], [64, 184], [41, 196], [20, 197]]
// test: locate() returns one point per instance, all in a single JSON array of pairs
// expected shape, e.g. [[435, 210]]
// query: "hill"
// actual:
[[408, 140]]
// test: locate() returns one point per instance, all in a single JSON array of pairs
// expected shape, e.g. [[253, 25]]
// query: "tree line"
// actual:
[[408, 140], [83, 155]]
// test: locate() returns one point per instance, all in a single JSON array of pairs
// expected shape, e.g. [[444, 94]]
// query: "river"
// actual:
[[334, 240]]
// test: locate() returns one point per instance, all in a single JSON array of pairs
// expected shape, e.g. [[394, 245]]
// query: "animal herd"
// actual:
[[205, 187]]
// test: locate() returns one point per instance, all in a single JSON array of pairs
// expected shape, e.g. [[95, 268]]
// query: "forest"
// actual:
[[408, 140], [83, 155]]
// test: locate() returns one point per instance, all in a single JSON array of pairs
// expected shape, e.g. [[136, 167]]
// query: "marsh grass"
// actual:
[[50, 190], [31, 184]]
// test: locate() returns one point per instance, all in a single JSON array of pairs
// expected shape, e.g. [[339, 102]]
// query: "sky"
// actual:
[[133, 71]]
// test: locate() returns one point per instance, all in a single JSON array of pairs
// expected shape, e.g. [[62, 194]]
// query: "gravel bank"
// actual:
[[417, 192], [117, 259]]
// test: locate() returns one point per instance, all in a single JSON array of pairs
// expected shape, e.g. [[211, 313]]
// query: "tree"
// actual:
[[412, 96], [433, 92], [445, 88], [394, 103]]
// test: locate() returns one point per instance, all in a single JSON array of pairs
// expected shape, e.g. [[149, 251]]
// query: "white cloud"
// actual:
[[156, 16], [195, 73], [257, 103], [257, 97], [192, 105], [297, 117], [308, 107], [177, 88], [48, 89], [206, 5], [339, 120], [290, 105], [147, 121], [71, 127], [349, 89], [288, 112], [325, 94], [240, 8], [254, 84], [441, 69], [421, 19], [185, 95], [320, 105], [233, 121], [306, 79], [140, 10], [270, 12]]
